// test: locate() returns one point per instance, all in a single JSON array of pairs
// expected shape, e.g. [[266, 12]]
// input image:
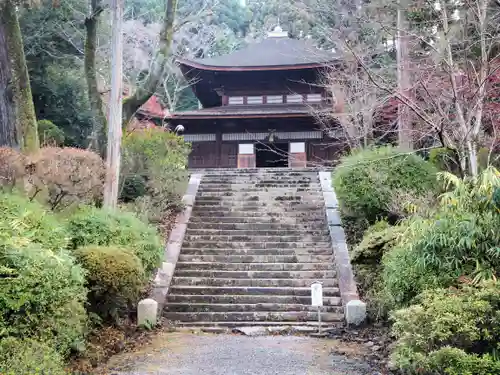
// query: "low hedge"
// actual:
[[27, 356], [42, 296], [452, 331], [436, 252], [115, 279], [367, 181], [93, 226], [22, 218]]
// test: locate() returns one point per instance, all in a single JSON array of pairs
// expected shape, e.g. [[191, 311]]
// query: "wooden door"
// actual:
[[229, 155], [203, 155]]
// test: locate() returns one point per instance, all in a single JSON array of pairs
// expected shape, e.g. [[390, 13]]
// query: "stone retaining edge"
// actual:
[[355, 310], [173, 247]]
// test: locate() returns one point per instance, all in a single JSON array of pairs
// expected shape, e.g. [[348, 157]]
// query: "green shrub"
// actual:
[[460, 240], [27, 356], [50, 134], [444, 159], [42, 296], [115, 278], [133, 187], [378, 239], [354, 228], [160, 158], [31, 221], [366, 260], [437, 251], [366, 181], [92, 226], [450, 331]]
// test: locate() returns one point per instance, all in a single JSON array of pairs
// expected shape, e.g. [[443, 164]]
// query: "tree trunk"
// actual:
[[24, 107], [99, 123], [8, 132], [115, 109], [404, 85], [142, 94]]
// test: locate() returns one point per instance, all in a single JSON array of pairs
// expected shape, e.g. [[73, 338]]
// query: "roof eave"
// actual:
[[235, 116], [197, 65]]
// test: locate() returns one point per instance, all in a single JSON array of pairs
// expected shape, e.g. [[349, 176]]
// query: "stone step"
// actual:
[[259, 307], [205, 188], [263, 171], [267, 316], [267, 179], [258, 188], [250, 299], [289, 267], [258, 252], [252, 183], [257, 258], [256, 245], [279, 211], [298, 328], [262, 205], [240, 290], [292, 199], [220, 274], [245, 231], [261, 174], [228, 213], [279, 283], [255, 224], [257, 195], [255, 238]]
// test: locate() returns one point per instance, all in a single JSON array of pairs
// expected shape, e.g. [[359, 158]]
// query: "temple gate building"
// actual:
[[257, 105]]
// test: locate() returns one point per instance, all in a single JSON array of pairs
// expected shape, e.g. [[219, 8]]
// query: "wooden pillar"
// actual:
[[218, 149], [297, 156], [246, 155]]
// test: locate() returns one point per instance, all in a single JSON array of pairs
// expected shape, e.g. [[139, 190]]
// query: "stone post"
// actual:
[[147, 312]]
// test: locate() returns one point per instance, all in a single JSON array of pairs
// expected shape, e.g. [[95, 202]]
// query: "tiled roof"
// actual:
[[271, 52], [153, 108]]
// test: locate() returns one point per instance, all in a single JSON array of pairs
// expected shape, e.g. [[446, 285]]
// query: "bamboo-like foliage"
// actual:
[[471, 193]]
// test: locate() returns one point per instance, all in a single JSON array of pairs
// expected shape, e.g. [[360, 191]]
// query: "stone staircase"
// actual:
[[256, 241]]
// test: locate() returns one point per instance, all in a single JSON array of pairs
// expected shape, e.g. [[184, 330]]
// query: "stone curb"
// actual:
[[355, 310], [165, 273]]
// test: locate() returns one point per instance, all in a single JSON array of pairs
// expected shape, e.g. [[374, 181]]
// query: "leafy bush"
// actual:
[[366, 259], [461, 240], [471, 194], [354, 228], [92, 226], [378, 239], [160, 158], [27, 356], [444, 159], [450, 331], [438, 251], [366, 180], [12, 167], [115, 279], [133, 187], [30, 221], [367, 256], [42, 295], [69, 175], [50, 134]]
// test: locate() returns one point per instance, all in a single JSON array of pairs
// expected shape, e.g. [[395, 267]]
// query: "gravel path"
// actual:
[[205, 354]]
